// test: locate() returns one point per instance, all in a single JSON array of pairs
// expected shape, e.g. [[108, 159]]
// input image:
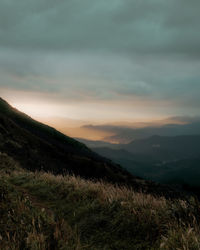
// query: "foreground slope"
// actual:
[[43, 211]]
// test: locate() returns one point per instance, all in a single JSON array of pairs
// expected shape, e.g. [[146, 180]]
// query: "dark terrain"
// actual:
[[39, 147], [56, 194], [173, 160]]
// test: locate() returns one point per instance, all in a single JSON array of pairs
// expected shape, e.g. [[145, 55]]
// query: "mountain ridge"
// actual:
[[37, 147], [21, 137]]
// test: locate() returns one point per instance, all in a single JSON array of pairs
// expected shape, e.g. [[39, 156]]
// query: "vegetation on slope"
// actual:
[[37, 146], [43, 211], [38, 128]]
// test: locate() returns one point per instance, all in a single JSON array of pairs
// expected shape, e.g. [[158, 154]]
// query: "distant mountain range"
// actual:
[[124, 134], [171, 160], [166, 148], [157, 148]]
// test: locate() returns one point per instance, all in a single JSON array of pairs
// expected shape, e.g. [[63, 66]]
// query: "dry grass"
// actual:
[[159, 223], [105, 191]]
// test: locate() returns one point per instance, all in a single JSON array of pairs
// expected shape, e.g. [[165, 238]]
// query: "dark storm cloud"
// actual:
[[125, 26]]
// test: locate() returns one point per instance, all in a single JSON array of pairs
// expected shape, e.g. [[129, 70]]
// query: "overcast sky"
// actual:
[[101, 60]]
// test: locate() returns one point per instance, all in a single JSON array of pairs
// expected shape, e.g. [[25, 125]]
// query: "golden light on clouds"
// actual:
[[39, 104], [97, 112], [70, 117]]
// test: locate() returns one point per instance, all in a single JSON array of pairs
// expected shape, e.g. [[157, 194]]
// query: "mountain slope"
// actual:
[[37, 146], [42, 211], [140, 165]]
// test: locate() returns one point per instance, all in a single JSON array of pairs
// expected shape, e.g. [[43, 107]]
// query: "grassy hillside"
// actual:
[[55, 193], [42, 211], [38, 128], [38, 146]]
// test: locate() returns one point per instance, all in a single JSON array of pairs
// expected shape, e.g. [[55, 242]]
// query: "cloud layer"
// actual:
[[138, 57], [176, 126]]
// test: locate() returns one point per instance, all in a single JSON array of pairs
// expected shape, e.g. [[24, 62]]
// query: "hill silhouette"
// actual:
[[40, 147], [36, 146]]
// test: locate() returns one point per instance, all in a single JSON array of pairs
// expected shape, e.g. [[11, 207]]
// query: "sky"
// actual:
[[98, 62]]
